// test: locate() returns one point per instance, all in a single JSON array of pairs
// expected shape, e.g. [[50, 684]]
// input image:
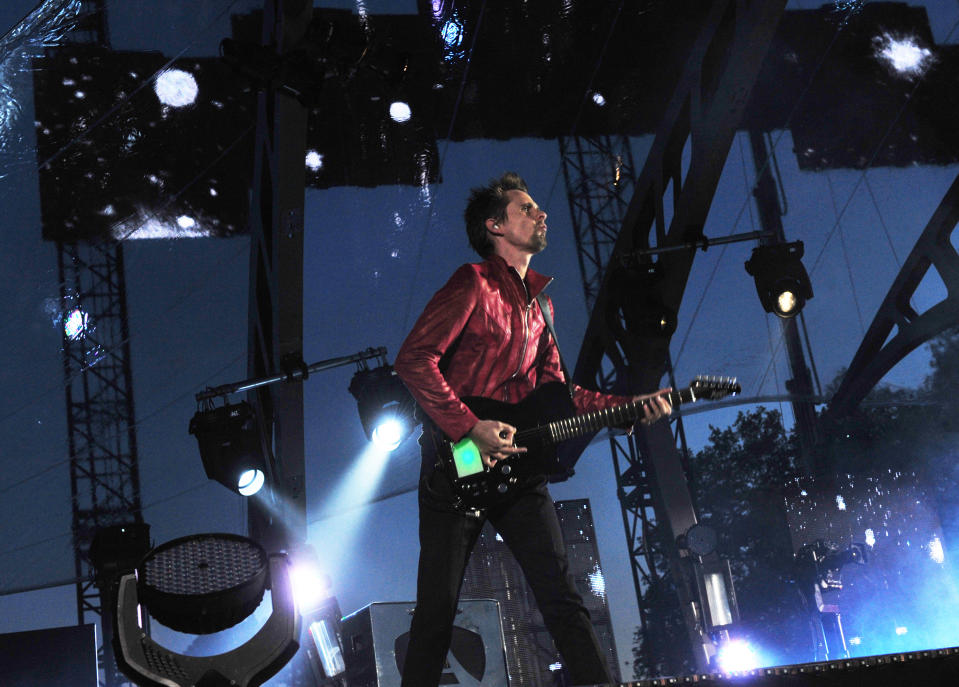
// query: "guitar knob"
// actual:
[[505, 469], [502, 488]]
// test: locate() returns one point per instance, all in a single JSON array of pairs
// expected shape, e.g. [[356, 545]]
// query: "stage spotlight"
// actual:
[[781, 280], [230, 447], [202, 584], [385, 406]]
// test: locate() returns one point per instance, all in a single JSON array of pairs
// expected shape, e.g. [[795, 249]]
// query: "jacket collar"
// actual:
[[535, 282]]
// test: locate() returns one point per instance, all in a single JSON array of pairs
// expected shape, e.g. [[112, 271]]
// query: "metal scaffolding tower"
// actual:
[[104, 475], [664, 219], [98, 383]]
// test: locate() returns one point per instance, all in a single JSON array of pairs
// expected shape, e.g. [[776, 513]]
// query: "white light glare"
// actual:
[[75, 324], [400, 112], [855, 640], [185, 222], [736, 656], [936, 551], [388, 434], [555, 666], [903, 54], [176, 88], [597, 583], [598, 99], [310, 585], [870, 537], [314, 161], [250, 482], [901, 630], [840, 502]]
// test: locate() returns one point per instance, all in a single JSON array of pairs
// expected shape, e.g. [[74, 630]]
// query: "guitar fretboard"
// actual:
[[621, 415]]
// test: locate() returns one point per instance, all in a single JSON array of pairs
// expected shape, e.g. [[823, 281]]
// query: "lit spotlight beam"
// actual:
[[337, 538]]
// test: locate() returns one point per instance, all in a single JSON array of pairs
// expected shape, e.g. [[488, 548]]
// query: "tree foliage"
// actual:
[[737, 484]]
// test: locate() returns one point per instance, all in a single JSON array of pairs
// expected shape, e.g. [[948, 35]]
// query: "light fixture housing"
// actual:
[[201, 584], [230, 447], [387, 411], [781, 280]]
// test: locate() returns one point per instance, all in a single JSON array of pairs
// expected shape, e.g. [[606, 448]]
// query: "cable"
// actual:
[[875, 154], [138, 423], [879, 147], [126, 98], [712, 275], [442, 157], [190, 291], [845, 254]]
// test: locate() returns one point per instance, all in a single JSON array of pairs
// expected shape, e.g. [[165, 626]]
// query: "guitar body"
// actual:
[[546, 403], [543, 419]]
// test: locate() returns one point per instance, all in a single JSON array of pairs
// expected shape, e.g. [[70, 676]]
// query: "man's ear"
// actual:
[[491, 227]]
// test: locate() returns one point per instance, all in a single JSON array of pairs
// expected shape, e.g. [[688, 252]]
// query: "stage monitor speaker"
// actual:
[[376, 636], [49, 658]]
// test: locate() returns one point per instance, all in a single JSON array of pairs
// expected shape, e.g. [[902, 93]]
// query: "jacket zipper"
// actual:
[[522, 356]]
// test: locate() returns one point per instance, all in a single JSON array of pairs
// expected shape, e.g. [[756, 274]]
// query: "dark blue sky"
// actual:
[[373, 258]]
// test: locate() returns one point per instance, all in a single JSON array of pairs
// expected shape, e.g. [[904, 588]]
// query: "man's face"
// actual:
[[525, 223]]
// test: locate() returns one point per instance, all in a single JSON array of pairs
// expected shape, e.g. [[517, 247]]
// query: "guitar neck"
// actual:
[[617, 416]]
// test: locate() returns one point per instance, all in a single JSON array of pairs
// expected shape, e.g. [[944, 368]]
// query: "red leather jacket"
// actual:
[[488, 326]]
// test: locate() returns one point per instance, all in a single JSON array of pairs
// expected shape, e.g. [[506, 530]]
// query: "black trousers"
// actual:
[[530, 528]]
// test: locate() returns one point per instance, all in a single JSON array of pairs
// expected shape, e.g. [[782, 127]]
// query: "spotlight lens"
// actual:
[[400, 112], [250, 482], [786, 301], [388, 434]]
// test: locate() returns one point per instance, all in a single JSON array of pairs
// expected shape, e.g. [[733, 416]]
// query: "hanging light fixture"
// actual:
[[230, 446], [781, 280], [385, 406]]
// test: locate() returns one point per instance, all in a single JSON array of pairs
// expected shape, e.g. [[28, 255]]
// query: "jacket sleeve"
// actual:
[[417, 362], [585, 400]]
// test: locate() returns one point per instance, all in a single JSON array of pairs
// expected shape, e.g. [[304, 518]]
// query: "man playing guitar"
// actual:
[[483, 335]]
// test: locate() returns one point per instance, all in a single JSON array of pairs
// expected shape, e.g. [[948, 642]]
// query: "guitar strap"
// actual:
[[544, 308]]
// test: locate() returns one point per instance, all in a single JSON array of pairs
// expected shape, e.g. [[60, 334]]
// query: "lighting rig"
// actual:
[[203, 584], [387, 411], [781, 280], [235, 454]]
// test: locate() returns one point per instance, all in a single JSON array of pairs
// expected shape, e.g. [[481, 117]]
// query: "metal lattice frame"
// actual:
[[104, 472], [668, 208], [98, 383], [600, 177], [882, 348]]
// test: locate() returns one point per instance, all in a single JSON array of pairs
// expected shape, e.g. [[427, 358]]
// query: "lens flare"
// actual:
[[737, 656]]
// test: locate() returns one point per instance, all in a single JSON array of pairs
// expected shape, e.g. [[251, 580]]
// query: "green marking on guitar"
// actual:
[[466, 458]]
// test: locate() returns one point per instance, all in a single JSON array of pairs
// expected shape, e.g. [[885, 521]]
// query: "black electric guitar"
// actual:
[[543, 419]]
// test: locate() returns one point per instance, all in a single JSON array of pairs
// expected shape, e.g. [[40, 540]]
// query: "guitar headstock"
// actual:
[[714, 388]]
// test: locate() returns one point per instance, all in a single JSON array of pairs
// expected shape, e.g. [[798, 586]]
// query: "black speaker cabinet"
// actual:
[[376, 636]]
